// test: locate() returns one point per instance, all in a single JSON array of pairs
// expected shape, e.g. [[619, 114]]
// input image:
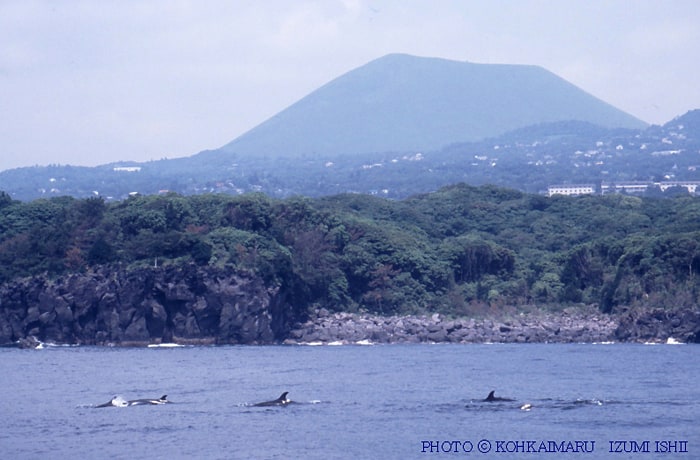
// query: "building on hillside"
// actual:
[[126, 168], [571, 189], [631, 188], [691, 186], [624, 187]]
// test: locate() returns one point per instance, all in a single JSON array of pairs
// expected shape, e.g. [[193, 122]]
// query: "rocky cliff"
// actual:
[[658, 325], [186, 304], [572, 325], [205, 305]]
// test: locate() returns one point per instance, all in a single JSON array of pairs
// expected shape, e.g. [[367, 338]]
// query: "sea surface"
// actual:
[[353, 402]]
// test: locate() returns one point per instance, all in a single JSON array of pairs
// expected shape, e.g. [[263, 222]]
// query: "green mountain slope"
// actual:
[[403, 103]]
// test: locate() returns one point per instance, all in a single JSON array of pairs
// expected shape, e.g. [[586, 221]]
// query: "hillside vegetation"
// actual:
[[528, 159], [460, 250]]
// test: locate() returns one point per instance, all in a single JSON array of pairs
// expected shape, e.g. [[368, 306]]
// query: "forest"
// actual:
[[461, 250]]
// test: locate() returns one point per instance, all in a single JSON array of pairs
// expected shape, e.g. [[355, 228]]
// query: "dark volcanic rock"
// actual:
[[185, 304], [658, 325], [565, 327], [206, 305]]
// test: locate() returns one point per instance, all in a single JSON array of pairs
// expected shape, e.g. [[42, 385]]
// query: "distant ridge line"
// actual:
[[406, 103]]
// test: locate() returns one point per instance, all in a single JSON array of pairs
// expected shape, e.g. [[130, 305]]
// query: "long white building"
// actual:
[[571, 189], [620, 187]]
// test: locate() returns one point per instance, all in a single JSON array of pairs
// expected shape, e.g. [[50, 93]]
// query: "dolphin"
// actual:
[[281, 401], [143, 402], [492, 398], [116, 401]]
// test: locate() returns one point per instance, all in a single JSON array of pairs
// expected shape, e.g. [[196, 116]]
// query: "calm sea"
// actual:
[[353, 402]]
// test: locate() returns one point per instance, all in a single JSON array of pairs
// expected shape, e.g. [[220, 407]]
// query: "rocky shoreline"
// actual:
[[190, 305], [176, 304], [568, 326], [346, 328]]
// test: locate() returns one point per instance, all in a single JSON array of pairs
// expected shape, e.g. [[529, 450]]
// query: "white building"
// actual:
[[571, 189], [632, 188]]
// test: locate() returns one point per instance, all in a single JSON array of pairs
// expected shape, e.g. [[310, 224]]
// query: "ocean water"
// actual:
[[353, 402]]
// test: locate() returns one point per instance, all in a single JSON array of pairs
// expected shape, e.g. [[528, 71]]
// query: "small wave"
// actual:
[[335, 343], [576, 403], [480, 405], [593, 402], [669, 341], [165, 345]]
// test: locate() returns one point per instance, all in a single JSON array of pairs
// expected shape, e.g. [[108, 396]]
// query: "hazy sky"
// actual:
[[91, 82]]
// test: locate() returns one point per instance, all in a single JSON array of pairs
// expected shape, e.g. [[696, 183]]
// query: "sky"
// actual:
[[94, 82]]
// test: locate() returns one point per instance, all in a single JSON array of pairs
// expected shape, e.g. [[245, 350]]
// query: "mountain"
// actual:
[[528, 158], [406, 103]]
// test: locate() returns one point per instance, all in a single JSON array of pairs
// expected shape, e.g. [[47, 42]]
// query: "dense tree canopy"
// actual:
[[456, 251]]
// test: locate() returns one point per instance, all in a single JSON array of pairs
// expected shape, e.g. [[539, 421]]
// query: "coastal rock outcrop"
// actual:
[[659, 325], [183, 304], [205, 305], [562, 327]]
